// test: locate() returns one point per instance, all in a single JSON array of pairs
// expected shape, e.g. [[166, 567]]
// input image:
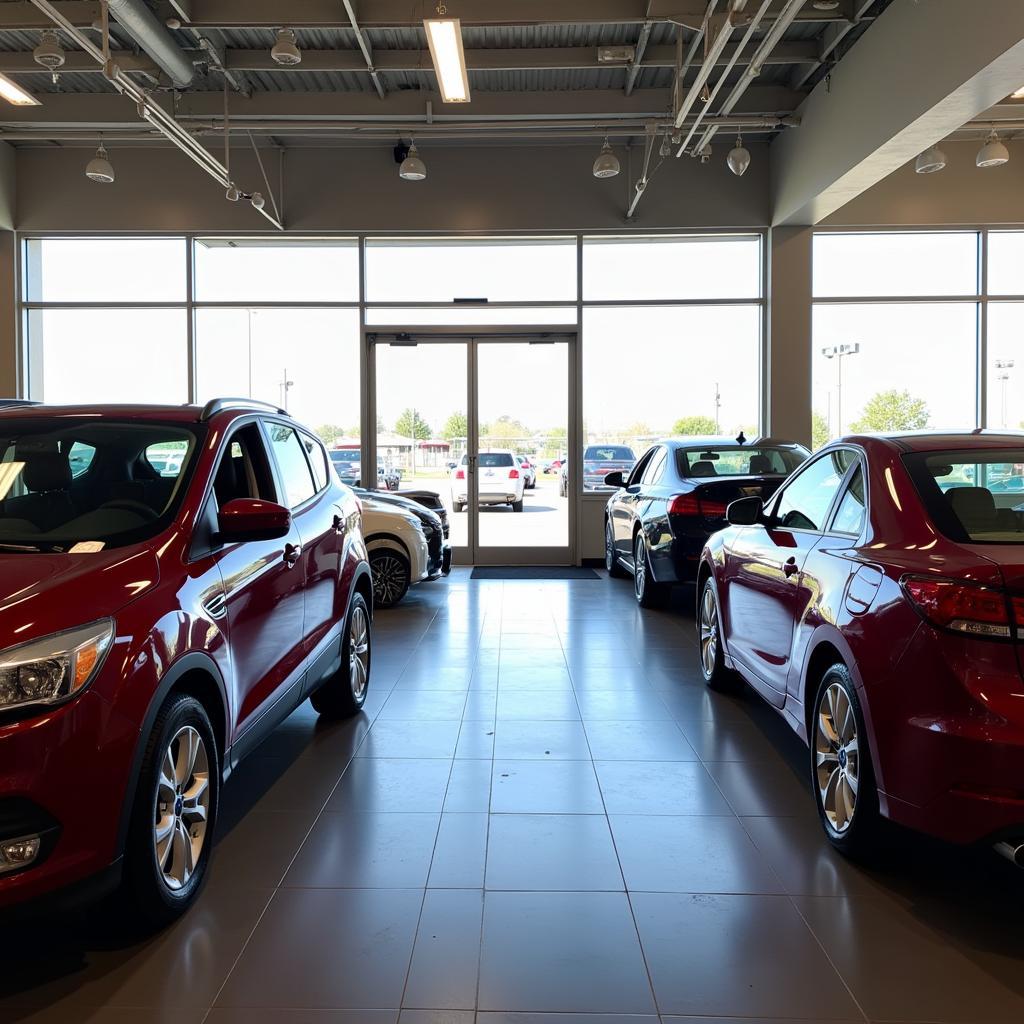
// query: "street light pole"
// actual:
[[718, 409], [284, 387], [837, 352], [1004, 366]]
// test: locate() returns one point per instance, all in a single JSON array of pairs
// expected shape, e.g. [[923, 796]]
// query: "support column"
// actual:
[[788, 371], [9, 343]]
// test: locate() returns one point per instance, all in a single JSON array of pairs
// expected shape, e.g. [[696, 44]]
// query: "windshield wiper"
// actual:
[[26, 548]]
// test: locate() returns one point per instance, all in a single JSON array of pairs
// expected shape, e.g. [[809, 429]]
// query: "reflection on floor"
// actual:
[[541, 813]]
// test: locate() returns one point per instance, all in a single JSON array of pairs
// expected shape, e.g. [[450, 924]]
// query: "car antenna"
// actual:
[[742, 439]]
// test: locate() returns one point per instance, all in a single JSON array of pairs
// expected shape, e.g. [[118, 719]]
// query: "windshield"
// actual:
[[609, 453], [87, 482], [344, 457], [739, 461], [973, 496]]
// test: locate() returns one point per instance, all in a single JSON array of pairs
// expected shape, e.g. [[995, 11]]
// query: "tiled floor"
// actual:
[[541, 817]]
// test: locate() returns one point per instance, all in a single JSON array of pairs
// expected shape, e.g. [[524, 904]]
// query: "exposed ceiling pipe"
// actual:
[[150, 33], [638, 56], [775, 33], [714, 51], [364, 45]]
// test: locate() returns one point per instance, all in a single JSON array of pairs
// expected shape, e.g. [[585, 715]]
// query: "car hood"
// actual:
[[47, 593]]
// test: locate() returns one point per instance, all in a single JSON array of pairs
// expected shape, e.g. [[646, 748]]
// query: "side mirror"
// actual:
[[615, 479], [745, 512], [243, 519]]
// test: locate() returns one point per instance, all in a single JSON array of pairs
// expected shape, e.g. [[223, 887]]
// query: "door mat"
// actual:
[[533, 572]]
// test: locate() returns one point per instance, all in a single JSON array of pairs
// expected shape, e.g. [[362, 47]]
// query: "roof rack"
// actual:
[[217, 405]]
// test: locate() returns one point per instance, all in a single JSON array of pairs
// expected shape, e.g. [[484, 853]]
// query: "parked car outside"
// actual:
[[439, 550], [348, 463], [398, 549], [883, 616], [554, 465], [657, 523], [499, 480], [156, 629], [529, 472], [601, 459]]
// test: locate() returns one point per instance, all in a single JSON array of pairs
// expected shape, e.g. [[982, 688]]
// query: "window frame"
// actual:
[[858, 465], [282, 487], [823, 453]]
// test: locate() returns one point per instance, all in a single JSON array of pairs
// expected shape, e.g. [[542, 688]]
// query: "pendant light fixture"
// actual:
[[739, 157], [413, 168], [607, 163], [99, 168], [930, 161], [285, 50], [993, 153]]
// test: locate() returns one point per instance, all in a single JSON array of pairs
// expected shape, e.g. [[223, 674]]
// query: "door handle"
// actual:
[[291, 554], [789, 567], [339, 525]]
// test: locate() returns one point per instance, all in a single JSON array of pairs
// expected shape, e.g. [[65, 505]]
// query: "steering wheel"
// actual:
[[130, 505]]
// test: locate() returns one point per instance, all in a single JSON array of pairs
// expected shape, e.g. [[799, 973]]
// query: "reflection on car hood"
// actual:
[[44, 593]]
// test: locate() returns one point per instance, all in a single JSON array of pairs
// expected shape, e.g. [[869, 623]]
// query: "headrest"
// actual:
[[703, 468], [46, 469], [972, 504], [760, 464]]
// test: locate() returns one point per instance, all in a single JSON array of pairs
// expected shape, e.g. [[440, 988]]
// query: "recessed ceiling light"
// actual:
[[444, 35], [13, 93]]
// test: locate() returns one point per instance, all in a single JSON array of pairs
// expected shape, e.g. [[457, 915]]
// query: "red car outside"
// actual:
[[877, 602], [173, 582]]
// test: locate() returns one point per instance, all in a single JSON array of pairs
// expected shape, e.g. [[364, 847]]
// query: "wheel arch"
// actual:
[[820, 660]]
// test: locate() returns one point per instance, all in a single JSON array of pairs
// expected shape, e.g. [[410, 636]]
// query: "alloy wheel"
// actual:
[[389, 579], [182, 807], [359, 652], [837, 757], [639, 567], [708, 632], [609, 548]]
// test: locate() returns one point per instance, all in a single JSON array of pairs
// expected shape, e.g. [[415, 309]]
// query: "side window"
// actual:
[[804, 503], [852, 511], [80, 456], [655, 467], [317, 460], [638, 470], [244, 471], [291, 461]]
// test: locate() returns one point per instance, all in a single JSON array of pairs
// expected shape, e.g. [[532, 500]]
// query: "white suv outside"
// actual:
[[500, 480]]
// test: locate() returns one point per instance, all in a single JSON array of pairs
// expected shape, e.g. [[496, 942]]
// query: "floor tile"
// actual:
[[387, 784], [60, 1013], [476, 740], [469, 787], [545, 787], [739, 956], [399, 738], [695, 854], [638, 741], [621, 706], [445, 958], [730, 741], [460, 852], [481, 705], [360, 850], [255, 1015], [425, 705], [437, 1017], [529, 705], [567, 1018], [275, 834], [763, 787], [345, 949], [590, 936], [659, 787], [540, 741], [552, 851]]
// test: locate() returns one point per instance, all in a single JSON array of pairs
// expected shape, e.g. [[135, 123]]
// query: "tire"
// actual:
[[709, 640], [611, 561], [648, 593], [391, 577], [344, 694], [517, 506], [841, 767], [174, 816], [458, 506]]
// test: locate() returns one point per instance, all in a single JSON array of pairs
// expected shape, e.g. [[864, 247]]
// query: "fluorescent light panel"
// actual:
[[444, 35], [13, 93]]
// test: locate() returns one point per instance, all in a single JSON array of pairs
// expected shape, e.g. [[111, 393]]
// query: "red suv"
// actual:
[[877, 601], [173, 583]]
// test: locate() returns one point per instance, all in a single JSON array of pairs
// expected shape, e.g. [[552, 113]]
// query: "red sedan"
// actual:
[[877, 601], [173, 582]]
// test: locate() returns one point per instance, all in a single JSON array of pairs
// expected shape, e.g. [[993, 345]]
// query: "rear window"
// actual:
[[973, 496], [739, 461], [346, 456], [492, 459], [609, 453]]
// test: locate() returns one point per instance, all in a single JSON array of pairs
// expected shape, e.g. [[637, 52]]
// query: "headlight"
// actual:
[[49, 670]]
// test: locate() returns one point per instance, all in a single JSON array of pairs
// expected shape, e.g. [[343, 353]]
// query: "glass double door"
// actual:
[[482, 419]]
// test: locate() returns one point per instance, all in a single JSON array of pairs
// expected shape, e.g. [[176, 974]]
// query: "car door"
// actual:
[[624, 507], [766, 594], [302, 470], [263, 586]]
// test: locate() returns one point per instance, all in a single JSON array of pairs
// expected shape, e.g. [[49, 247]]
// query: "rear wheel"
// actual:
[[649, 593], [611, 558], [517, 506], [344, 694], [170, 837], [391, 577], [841, 769], [458, 506]]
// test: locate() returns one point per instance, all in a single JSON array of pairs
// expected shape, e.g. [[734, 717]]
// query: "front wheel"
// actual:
[[841, 768], [170, 837], [344, 694], [391, 577]]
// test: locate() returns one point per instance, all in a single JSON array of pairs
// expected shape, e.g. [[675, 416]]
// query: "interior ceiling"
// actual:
[[533, 65]]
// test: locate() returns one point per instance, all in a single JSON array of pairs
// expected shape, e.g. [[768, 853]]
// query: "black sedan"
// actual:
[[674, 498]]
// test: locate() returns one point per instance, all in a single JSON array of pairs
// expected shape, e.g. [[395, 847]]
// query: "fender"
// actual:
[[186, 663], [383, 540]]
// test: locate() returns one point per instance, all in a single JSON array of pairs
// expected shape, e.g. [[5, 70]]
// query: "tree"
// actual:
[[690, 426], [506, 427], [819, 431], [456, 426], [412, 424], [329, 432], [892, 410]]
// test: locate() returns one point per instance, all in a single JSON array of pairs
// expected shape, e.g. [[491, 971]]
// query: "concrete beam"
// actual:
[[918, 74]]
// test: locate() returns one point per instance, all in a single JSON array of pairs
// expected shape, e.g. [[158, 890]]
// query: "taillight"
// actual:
[[460, 474], [513, 474], [692, 505], [963, 607]]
